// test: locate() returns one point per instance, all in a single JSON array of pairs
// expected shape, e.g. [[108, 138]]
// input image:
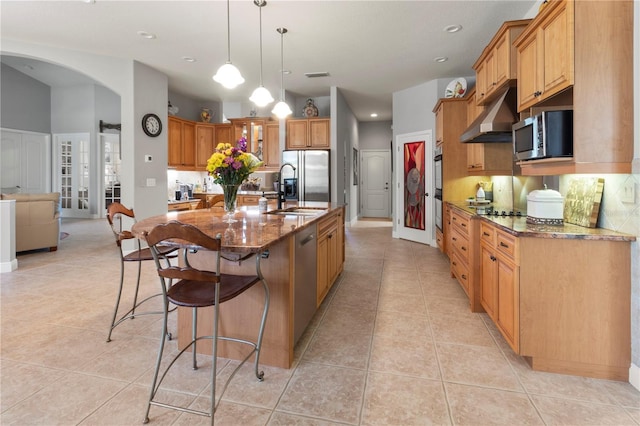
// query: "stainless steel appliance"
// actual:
[[312, 174], [545, 135], [437, 167], [494, 122], [305, 286]]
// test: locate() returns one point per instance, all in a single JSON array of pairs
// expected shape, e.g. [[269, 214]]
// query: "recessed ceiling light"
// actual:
[[374, 115], [89, 1], [145, 34], [28, 67], [452, 28], [286, 72], [441, 59], [188, 59]]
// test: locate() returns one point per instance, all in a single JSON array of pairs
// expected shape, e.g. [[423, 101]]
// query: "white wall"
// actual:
[[150, 96], [344, 137], [375, 134], [22, 98]]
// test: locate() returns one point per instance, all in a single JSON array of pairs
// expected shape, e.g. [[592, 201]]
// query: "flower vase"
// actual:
[[230, 198]]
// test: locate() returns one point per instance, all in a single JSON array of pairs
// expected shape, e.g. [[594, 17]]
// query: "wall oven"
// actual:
[[437, 167]]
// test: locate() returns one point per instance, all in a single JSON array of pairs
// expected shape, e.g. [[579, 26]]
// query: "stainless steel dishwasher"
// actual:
[[304, 287]]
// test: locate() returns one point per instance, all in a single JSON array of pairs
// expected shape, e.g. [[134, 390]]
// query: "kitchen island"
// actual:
[[271, 236], [559, 295]]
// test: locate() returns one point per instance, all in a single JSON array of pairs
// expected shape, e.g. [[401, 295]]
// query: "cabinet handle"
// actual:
[[464, 225], [493, 258], [485, 234], [454, 263], [454, 238], [504, 245], [464, 277], [454, 218], [463, 248]]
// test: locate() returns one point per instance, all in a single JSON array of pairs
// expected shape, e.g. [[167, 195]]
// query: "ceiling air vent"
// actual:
[[316, 74]]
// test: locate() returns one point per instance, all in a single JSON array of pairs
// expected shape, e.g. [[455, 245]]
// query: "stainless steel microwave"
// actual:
[[545, 135]]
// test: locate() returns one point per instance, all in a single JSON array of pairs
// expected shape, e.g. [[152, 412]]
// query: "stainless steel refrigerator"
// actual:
[[312, 173]]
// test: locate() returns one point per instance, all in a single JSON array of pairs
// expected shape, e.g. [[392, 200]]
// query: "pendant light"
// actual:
[[281, 109], [261, 96], [228, 75]]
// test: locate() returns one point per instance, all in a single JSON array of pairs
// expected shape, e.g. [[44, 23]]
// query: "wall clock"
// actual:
[[151, 125]]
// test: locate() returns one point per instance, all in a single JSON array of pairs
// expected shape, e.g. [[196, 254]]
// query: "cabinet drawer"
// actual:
[[460, 245], [506, 244], [488, 234], [326, 225], [250, 200], [461, 221], [461, 271]]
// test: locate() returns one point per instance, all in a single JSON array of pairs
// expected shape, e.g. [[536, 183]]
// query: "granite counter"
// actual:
[[519, 227]]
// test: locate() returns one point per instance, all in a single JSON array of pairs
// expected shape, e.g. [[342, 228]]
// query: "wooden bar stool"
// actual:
[[198, 288], [115, 215]]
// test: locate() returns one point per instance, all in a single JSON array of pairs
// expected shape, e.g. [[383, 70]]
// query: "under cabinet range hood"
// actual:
[[494, 123]]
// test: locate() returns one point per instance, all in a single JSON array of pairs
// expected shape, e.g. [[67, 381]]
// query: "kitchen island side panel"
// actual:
[[240, 317], [575, 306]]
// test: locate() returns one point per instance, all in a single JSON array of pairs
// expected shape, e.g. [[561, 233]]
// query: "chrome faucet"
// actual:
[[281, 184]]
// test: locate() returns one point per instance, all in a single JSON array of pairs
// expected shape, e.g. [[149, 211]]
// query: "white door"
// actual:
[[414, 209], [73, 174], [375, 183], [25, 162]]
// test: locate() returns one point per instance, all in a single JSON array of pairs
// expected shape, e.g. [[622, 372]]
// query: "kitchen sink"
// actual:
[[299, 211]]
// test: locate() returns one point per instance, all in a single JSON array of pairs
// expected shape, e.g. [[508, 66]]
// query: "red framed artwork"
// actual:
[[414, 181]]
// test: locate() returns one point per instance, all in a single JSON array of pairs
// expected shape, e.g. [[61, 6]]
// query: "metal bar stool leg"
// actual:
[[115, 311]]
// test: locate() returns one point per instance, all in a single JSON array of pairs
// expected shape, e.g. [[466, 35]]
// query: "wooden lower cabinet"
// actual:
[[463, 252], [562, 303], [330, 253]]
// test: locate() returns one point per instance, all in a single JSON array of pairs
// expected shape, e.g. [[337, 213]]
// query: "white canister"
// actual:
[[480, 194]]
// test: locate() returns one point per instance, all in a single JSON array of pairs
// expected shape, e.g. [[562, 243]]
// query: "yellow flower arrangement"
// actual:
[[231, 165]]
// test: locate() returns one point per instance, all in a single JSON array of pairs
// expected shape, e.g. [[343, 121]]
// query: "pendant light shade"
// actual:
[[228, 75], [281, 109], [261, 96]]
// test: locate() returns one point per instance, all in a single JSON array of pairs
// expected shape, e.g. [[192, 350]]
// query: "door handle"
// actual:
[[426, 194]]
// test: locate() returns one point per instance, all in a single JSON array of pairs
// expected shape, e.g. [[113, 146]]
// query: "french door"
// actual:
[[72, 174]]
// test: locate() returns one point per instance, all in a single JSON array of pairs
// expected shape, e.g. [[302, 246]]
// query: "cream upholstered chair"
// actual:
[[116, 214], [196, 288], [37, 220]]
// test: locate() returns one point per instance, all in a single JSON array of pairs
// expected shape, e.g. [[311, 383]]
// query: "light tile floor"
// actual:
[[393, 344]]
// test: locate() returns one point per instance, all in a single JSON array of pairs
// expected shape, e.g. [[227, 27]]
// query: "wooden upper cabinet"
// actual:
[[308, 133], [271, 146], [297, 134], [182, 152], [439, 125], [205, 144], [319, 133], [545, 54], [577, 54], [496, 67], [223, 133]]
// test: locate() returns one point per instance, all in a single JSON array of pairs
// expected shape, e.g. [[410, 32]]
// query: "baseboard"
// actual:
[[9, 266], [634, 376]]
